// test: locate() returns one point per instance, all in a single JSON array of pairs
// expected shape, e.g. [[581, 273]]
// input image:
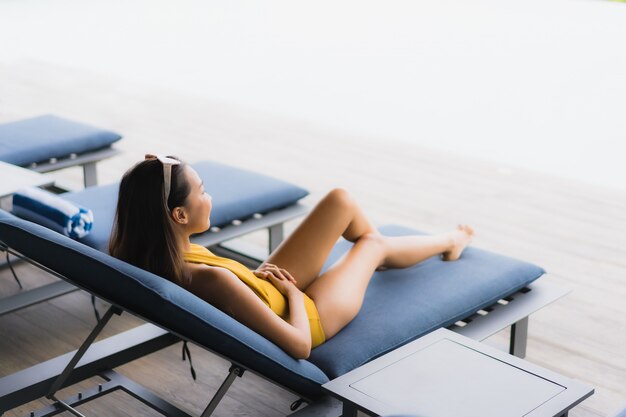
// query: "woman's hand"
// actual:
[[280, 277], [234, 297]]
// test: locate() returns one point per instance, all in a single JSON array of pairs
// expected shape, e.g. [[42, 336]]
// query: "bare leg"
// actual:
[[405, 251], [305, 251], [339, 292]]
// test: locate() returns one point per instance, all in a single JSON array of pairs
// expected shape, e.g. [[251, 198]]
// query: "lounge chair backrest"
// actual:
[[160, 302]]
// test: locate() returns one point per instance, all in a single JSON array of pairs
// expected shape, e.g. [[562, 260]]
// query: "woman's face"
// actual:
[[198, 203]]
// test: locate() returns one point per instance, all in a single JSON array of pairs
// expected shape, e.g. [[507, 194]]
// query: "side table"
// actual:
[[444, 374]]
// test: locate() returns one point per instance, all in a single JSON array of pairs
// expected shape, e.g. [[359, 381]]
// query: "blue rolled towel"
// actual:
[[52, 211]]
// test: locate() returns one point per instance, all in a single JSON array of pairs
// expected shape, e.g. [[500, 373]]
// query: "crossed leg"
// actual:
[[338, 292]]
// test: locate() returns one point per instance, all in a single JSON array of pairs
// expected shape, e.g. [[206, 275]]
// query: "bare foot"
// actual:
[[461, 237]]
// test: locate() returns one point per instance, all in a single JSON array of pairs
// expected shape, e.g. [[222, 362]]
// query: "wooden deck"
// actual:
[[577, 232]]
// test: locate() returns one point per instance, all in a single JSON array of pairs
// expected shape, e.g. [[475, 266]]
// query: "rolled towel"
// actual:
[[52, 211]]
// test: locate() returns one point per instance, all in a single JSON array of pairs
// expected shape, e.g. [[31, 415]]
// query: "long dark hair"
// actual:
[[143, 233]]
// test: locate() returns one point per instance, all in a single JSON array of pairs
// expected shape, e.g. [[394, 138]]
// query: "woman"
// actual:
[[288, 300]]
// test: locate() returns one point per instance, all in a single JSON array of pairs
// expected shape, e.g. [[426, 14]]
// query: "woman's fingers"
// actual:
[[289, 276], [267, 274], [260, 274], [281, 284], [278, 273]]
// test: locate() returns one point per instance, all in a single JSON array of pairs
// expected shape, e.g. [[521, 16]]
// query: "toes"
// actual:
[[465, 228]]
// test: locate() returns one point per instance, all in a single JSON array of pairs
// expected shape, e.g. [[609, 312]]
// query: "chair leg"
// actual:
[[90, 175], [519, 337], [276, 236], [349, 410], [235, 371]]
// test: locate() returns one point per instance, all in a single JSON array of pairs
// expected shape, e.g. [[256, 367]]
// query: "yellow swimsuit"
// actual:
[[265, 290]]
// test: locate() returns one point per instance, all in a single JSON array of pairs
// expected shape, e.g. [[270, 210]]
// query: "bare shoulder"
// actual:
[[210, 275], [202, 270], [213, 284]]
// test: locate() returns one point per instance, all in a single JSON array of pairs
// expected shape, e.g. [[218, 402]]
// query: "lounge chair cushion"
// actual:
[[237, 195], [402, 305], [44, 137]]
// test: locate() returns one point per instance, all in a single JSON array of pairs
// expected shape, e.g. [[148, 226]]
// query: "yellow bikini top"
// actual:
[[262, 288]]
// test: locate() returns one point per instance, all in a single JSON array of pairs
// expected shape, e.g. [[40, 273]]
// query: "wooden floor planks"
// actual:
[[577, 232]]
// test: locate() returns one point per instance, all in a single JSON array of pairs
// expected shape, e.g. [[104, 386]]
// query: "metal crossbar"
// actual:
[[114, 382], [87, 160], [35, 382], [81, 351], [234, 371], [513, 312]]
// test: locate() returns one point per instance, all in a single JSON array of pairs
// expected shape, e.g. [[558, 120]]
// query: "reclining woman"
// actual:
[[288, 300]]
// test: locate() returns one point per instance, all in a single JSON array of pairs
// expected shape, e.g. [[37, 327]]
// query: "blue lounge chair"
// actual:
[[477, 296], [48, 143]]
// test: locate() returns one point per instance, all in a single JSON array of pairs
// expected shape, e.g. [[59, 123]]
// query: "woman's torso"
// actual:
[[264, 289]]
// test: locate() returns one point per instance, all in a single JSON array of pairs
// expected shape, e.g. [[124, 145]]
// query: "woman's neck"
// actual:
[[183, 241]]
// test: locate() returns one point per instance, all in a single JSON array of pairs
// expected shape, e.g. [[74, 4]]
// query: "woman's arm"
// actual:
[[225, 291]]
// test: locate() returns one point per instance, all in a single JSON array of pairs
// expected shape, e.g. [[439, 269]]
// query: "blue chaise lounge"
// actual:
[[48, 143], [478, 295]]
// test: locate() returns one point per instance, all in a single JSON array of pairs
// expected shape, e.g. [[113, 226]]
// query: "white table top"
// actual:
[[445, 374], [12, 178]]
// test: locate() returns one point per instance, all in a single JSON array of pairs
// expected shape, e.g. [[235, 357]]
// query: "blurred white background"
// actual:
[[539, 84]]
